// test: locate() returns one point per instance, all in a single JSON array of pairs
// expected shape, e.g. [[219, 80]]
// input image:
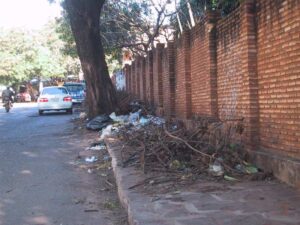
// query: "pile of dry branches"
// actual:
[[172, 147]]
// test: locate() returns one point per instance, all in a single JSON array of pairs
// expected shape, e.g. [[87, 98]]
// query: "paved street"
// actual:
[[39, 183]]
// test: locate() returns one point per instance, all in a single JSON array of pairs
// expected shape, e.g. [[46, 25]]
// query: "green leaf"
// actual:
[[228, 178], [251, 169]]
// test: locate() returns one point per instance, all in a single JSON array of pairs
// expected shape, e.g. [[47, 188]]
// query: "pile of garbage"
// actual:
[[172, 148], [152, 144]]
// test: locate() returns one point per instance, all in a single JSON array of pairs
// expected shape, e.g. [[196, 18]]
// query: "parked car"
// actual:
[[77, 91], [23, 97], [55, 98]]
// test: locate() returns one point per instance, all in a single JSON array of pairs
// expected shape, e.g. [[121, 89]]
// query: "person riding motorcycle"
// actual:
[[7, 95]]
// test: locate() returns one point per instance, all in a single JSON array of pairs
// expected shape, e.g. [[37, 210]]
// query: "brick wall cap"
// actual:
[[211, 16]]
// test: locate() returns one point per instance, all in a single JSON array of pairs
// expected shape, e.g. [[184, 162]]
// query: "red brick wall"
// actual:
[[278, 39], [143, 79], [168, 76], [149, 78], [230, 77], [183, 105], [237, 70], [245, 66], [203, 68], [133, 79], [157, 75], [138, 76]]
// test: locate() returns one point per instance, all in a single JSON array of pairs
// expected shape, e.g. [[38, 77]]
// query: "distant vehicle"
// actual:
[[77, 91], [55, 99], [23, 97]]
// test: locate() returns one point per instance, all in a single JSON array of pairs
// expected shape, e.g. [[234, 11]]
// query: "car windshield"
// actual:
[[74, 88], [54, 91]]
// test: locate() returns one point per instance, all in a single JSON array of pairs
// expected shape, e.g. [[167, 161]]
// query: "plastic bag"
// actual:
[[99, 122]]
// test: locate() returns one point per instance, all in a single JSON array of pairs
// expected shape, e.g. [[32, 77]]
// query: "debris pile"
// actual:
[[212, 148], [209, 149]]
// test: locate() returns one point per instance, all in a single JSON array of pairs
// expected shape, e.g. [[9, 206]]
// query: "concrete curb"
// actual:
[[135, 203]]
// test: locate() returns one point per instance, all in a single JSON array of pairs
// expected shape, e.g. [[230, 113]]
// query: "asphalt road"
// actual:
[[39, 184]]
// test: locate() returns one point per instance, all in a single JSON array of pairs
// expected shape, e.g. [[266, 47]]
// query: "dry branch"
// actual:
[[187, 144]]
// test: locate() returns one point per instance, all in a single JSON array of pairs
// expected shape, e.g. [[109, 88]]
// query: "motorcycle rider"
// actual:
[[7, 94]]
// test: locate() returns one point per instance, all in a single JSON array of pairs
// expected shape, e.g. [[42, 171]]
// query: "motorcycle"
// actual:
[[7, 104]]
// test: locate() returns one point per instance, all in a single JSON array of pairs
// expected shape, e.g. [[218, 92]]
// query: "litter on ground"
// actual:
[[99, 122], [91, 159], [211, 148]]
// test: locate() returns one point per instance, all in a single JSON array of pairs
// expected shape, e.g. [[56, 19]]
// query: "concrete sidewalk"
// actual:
[[206, 203]]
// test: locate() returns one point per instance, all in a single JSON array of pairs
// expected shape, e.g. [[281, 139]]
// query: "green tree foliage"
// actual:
[[225, 6], [29, 54], [63, 29], [133, 24], [16, 54], [199, 7]]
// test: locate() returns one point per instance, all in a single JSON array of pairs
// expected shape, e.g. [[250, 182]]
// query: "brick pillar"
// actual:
[[169, 80], [204, 66], [157, 75], [143, 79], [129, 80], [133, 79], [210, 24], [149, 77], [138, 76], [183, 77], [125, 71], [250, 105]]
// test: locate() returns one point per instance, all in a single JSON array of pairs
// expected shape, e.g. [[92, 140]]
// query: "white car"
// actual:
[[55, 98]]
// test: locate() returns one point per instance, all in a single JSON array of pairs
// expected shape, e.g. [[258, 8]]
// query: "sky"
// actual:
[[32, 14]]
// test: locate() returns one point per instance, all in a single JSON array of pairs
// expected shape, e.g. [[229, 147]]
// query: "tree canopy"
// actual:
[[29, 54], [188, 11], [136, 24], [132, 24]]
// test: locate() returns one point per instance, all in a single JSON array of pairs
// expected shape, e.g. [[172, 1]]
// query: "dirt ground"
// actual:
[[101, 171]]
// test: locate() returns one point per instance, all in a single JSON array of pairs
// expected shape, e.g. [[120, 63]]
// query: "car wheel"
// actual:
[[41, 112], [70, 111]]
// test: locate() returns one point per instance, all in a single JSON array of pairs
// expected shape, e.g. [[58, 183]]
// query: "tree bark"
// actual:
[[84, 17]]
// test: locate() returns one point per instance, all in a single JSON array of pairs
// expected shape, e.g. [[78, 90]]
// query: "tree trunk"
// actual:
[[84, 17]]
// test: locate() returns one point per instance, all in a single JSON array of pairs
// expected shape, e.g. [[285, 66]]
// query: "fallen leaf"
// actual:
[[228, 178]]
